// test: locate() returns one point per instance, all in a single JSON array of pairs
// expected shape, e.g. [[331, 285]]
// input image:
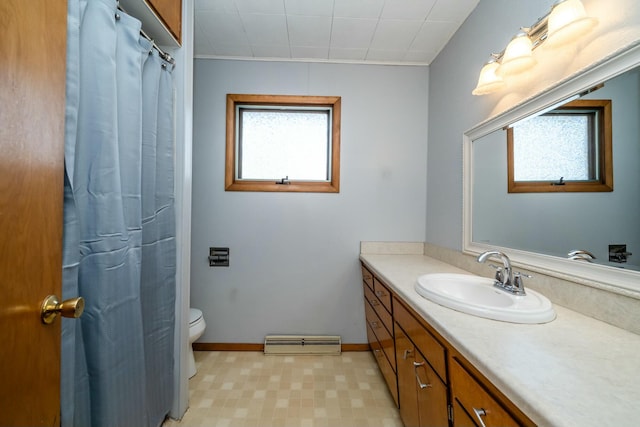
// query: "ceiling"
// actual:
[[357, 31]]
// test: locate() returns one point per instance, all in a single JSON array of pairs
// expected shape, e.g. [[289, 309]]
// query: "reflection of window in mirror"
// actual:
[[565, 150]]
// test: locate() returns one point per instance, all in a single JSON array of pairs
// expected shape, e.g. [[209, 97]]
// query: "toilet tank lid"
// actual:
[[194, 315]]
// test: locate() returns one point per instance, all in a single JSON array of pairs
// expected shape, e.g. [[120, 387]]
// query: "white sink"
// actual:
[[477, 296]]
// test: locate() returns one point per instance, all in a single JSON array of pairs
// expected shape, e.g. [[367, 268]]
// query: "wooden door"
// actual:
[[32, 97]]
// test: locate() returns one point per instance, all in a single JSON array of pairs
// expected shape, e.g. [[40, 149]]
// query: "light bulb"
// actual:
[[567, 21], [489, 81], [517, 56]]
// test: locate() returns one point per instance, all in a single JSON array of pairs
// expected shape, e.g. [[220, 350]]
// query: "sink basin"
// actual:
[[477, 296]]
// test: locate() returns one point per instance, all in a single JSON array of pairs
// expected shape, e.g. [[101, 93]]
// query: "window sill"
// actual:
[[291, 187]]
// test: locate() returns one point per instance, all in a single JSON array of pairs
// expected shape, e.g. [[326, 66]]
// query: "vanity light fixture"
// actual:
[[566, 21], [517, 56], [489, 81]]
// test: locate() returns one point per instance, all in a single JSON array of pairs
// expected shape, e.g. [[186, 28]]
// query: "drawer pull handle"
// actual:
[[380, 293], [422, 385], [375, 303], [479, 414], [375, 325], [406, 353]]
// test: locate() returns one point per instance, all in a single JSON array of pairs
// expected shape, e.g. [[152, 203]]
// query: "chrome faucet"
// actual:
[[505, 278], [581, 255]]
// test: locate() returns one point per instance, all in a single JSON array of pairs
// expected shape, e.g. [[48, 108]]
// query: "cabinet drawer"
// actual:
[[475, 400], [382, 293], [432, 350], [382, 312], [388, 372], [367, 276], [461, 418], [384, 336]]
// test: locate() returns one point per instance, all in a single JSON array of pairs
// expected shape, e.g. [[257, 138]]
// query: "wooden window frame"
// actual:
[[234, 184], [604, 183]]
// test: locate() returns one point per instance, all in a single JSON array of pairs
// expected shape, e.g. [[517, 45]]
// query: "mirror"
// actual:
[[539, 230]]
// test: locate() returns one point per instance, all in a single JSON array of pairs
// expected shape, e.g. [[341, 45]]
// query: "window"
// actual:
[[565, 150], [283, 143]]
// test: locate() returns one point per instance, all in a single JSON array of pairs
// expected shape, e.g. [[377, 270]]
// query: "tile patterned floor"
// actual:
[[249, 389]]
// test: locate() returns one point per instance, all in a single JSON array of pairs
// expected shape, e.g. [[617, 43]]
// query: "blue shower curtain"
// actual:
[[119, 231]]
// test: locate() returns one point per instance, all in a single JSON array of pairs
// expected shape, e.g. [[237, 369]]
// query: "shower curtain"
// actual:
[[119, 222]]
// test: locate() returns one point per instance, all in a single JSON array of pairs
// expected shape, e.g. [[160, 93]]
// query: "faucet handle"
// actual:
[[521, 274], [517, 281], [499, 274]]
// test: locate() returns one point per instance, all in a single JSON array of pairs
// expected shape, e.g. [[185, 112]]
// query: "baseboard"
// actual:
[[214, 346], [355, 347]]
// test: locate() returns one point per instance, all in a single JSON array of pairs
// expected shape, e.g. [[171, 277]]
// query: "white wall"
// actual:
[[294, 257], [453, 75]]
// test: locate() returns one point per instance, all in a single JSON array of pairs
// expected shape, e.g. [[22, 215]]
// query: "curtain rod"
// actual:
[[164, 55]]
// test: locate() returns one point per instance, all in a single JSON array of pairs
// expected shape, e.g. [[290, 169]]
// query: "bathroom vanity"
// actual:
[[444, 367]]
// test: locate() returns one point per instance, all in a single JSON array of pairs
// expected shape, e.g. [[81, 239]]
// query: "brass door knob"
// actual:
[[51, 307]]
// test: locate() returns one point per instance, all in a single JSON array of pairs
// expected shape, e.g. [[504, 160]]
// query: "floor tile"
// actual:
[[251, 389]]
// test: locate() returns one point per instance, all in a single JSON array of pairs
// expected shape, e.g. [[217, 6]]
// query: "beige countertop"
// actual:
[[573, 371]]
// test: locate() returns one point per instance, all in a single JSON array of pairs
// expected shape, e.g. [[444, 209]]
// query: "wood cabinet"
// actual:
[[161, 19], [380, 328], [170, 13], [476, 402], [423, 394], [431, 382], [407, 390], [432, 347]]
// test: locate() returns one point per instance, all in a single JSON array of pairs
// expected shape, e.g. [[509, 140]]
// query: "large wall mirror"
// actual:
[[543, 230]]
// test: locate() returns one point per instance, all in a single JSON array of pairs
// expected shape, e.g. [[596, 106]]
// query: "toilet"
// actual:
[[196, 328]]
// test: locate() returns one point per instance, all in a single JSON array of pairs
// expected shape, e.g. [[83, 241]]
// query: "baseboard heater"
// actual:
[[302, 344]]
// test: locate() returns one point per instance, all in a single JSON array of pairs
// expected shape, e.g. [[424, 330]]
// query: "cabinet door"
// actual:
[[432, 395], [408, 399], [170, 11]]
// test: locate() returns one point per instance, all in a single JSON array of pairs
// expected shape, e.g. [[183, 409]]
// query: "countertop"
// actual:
[[573, 371]]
